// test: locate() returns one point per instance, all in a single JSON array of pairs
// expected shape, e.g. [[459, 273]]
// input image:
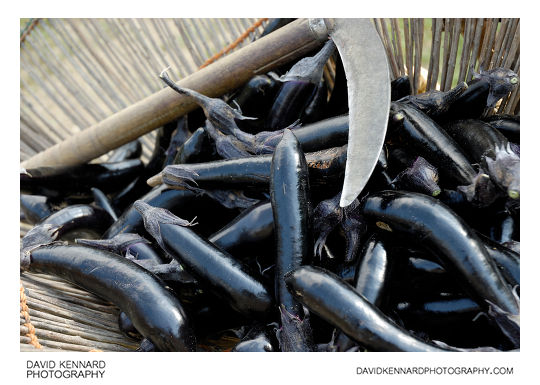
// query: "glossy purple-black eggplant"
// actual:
[[484, 91], [58, 182], [471, 104], [131, 222], [371, 279], [192, 148], [255, 99], [154, 310], [300, 85], [506, 124], [161, 143], [126, 244], [179, 136], [416, 130], [445, 311], [325, 167], [101, 200], [129, 150], [435, 103], [507, 260], [253, 225], [316, 108], [400, 88], [221, 273], [426, 220], [77, 217], [331, 132], [36, 208], [485, 145], [289, 195], [477, 138], [342, 306]]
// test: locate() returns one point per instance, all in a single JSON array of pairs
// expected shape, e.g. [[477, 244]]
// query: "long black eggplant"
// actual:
[[192, 148], [58, 182], [154, 310], [485, 145], [222, 274], [371, 280], [429, 140], [471, 104], [289, 195], [461, 252], [36, 207], [255, 99], [342, 306], [325, 168], [435, 103], [506, 124], [75, 217], [131, 222], [300, 84], [507, 260], [253, 225], [101, 200]]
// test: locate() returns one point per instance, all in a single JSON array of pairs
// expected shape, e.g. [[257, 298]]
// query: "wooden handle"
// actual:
[[269, 52]]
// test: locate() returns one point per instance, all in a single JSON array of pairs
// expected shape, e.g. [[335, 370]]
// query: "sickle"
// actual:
[[368, 86]]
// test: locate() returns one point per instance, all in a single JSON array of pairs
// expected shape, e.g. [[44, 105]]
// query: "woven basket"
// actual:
[[59, 98]]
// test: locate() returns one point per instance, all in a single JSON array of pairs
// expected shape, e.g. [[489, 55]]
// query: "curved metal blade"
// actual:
[[368, 82]]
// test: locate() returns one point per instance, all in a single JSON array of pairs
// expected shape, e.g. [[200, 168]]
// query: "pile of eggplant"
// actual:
[[231, 237]]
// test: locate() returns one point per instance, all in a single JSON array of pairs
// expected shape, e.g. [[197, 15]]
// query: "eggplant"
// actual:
[[371, 280], [325, 167], [101, 200], [315, 109], [131, 222], [61, 182], [154, 310], [400, 88], [484, 145], [289, 195], [77, 217], [300, 85], [341, 305], [220, 272], [178, 137], [36, 207], [253, 225], [435, 103], [508, 125], [192, 148], [255, 99], [447, 236], [429, 140], [471, 104]]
